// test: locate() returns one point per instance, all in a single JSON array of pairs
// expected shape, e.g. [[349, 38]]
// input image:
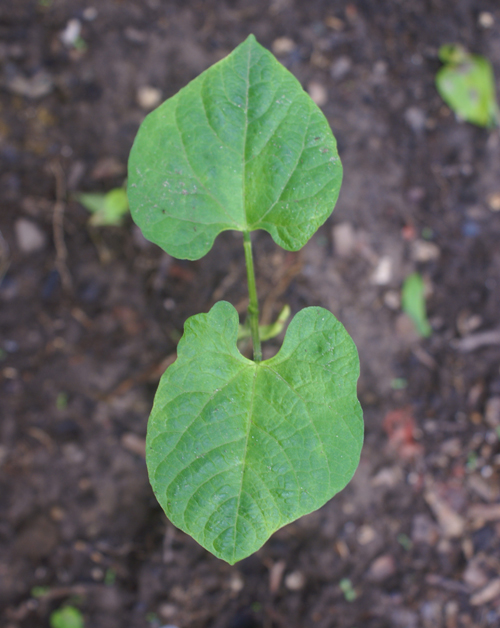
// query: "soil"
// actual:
[[90, 316]]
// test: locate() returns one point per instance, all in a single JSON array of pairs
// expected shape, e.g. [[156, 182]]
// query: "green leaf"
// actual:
[[107, 209], [66, 617], [241, 147], [467, 84], [237, 449], [413, 303]]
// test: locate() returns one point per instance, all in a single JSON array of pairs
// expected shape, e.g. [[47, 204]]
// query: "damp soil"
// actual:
[[89, 318]]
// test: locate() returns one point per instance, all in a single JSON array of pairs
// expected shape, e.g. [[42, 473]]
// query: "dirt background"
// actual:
[[415, 538]]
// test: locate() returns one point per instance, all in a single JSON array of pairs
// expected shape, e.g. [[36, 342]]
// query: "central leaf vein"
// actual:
[[243, 465]]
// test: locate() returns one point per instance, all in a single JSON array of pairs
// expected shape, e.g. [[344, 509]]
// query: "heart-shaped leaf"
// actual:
[[241, 147], [236, 449]]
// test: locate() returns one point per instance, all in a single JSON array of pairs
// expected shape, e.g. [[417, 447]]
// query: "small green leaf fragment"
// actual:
[[241, 147], [413, 303], [399, 383], [62, 401], [237, 449], [110, 577], [80, 44], [107, 209], [347, 589], [39, 591], [66, 617], [467, 84], [405, 541]]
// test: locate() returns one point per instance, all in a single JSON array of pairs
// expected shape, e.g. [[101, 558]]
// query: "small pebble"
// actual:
[[30, 238], [392, 299], [295, 581], [135, 36], [148, 97], [340, 68], [416, 194], [494, 202], [344, 239], [424, 251], [318, 93], [334, 23], [366, 534], [380, 68], [474, 576], [382, 274], [382, 568], [388, 476], [71, 33], [36, 86], [73, 454], [133, 443], [169, 304], [167, 611], [415, 118], [89, 14], [486, 19], [236, 583], [283, 46]]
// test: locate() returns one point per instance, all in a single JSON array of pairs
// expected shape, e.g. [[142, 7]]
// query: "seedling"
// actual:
[[413, 303], [347, 589], [467, 84], [106, 209], [237, 448]]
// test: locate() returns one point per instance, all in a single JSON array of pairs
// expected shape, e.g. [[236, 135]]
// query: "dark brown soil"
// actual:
[[416, 535]]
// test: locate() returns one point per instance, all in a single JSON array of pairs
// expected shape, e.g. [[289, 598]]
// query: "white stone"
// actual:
[[282, 46], [295, 581], [382, 274], [71, 33], [423, 251], [340, 68], [318, 93], [486, 19], [148, 97], [344, 239], [416, 119], [30, 238]]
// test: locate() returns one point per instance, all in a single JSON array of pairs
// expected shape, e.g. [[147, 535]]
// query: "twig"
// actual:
[[476, 341], [58, 226]]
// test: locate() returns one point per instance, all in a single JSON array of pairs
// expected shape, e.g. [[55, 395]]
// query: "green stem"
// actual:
[[253, 305]]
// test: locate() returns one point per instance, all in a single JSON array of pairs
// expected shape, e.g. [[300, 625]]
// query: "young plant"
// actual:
[[107, 209], [467, 84], [237, 448]]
